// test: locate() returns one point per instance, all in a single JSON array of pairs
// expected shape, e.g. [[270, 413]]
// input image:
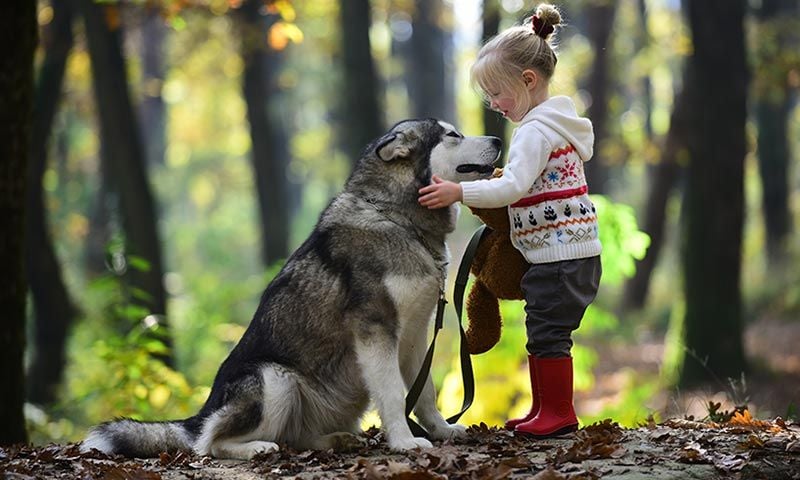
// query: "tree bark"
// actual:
[[53, 310], [714, 199], [18, 31], [362, 117], [599, 15], [269, 153], [123, 155]]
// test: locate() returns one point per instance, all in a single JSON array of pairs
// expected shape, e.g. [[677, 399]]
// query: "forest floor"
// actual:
[[736, 446], [742, 448]]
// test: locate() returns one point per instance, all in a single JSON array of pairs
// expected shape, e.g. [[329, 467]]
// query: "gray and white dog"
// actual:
[[344, 322]]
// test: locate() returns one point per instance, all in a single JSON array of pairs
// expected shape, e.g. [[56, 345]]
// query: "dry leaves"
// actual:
[[599, 440], [737, 446]]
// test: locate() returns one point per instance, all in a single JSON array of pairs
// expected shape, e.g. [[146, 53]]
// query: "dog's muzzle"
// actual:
[[474, 167]]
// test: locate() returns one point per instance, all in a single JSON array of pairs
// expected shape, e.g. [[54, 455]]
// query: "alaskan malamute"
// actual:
[[344, 322]]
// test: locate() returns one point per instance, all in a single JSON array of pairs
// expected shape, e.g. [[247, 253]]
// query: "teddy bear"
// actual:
[[497, 268]]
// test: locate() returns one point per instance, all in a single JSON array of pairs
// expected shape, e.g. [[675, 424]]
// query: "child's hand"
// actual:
[[440, 193]]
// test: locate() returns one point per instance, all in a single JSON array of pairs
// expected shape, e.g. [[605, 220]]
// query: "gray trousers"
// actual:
[[556, 296]]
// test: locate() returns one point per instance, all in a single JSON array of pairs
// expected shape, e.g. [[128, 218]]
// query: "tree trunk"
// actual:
[[429, 62], [714, 199], [493, 123], [151, 111], [643, 40], [362, 118], [663, 178], [269, 152], [773, 105], [18, 32], [599, 15], [53, 311], [123, 155]]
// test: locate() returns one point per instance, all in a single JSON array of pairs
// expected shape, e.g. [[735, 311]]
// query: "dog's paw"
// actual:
[[449, 431], [256, 447], [409, 443], [243, 451]]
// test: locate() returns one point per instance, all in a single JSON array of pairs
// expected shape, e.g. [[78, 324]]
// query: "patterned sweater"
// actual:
[[544, 186]]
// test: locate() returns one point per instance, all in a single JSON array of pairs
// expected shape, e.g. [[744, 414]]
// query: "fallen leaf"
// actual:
[[730, 463], [549, 474]]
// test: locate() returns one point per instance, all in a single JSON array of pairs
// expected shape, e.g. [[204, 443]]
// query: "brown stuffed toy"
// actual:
[[498, 268]]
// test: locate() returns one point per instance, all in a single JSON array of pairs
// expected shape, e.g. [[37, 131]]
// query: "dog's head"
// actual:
[[434, 147]]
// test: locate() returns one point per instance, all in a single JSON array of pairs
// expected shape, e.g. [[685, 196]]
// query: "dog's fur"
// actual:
[[344, 322]]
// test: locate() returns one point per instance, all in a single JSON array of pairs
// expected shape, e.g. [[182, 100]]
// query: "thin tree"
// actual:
[[714, 199], [269, 153], [122, 154], [361, 118], [429, 63], [151, 110], [53, 310], [663, 180], [18, 30], [598, 16], [493, 123], [777, 24]]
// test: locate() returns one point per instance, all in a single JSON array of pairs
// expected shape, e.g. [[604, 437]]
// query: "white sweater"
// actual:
[[544, 186]]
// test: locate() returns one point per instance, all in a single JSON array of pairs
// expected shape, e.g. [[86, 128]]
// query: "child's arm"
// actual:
[[440, 193], [527, 158]]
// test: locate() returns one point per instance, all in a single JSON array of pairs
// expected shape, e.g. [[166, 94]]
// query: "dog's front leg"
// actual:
[[413, 349], [377, 357]]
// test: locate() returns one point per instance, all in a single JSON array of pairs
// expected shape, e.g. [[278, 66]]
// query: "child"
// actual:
[[553, 222]]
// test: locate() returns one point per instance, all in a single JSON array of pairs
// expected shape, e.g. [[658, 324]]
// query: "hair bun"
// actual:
[[546, 19]]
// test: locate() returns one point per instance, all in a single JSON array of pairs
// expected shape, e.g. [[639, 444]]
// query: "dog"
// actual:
[[345, 320]]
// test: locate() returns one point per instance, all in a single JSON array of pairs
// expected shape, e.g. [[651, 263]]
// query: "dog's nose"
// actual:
[[497, 142]]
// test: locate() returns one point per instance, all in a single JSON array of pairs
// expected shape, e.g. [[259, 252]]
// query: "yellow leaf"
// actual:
[[281, 34], [743, 418], [140, 391], [159, 396]]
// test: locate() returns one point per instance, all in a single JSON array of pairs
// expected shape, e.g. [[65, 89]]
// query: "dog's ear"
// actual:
[[391, 147]]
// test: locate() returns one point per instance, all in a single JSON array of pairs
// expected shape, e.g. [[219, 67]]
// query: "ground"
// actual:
[[737, 446], [740, 448]]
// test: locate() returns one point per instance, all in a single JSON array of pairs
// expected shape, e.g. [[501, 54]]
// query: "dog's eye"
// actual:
[[453, 134]]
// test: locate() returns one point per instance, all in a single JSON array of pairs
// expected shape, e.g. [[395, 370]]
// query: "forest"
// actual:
[[161, 160]]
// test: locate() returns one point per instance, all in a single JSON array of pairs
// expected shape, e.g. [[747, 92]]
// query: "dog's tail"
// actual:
[[132, 438]]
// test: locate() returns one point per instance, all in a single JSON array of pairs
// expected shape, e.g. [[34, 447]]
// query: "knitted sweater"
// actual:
[[544, 186]]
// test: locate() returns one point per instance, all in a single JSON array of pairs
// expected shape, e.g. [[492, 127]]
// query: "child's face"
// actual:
[[506, 104], [515, 101]]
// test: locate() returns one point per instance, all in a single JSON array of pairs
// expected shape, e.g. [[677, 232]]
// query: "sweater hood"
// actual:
[[559, 114]]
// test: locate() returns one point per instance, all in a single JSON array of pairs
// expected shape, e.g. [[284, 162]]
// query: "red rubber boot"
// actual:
[[556, 414], [510, 424]]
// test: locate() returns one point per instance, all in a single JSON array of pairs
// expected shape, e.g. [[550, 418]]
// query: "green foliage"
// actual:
[[791, 412], [132, 383], [623, 242], [629, 406]]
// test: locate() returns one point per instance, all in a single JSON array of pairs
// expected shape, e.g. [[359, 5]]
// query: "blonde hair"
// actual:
[[502, 59]]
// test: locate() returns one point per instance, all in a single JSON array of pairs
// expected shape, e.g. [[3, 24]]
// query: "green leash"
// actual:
[[466, 363]]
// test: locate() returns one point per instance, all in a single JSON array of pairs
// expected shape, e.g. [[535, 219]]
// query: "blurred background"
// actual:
[[184, 148]]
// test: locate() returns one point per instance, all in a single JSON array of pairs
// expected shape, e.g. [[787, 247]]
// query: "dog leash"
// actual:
[[466, 364]]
